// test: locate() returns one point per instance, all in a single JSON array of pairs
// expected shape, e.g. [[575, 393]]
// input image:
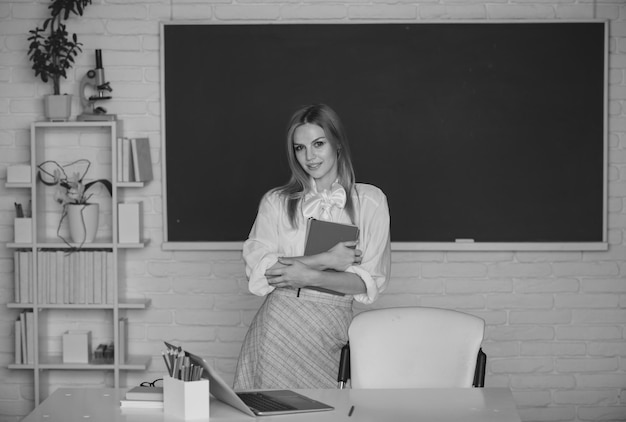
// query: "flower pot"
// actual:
[[58, 108], [83, 220]]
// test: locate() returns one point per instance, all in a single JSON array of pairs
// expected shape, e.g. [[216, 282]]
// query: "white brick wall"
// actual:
[[555, 321]]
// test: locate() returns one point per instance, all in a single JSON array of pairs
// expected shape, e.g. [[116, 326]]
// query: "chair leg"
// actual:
[[479, 373], [344, 367]]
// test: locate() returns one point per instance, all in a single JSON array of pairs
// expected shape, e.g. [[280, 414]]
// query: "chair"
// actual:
[[414, 347]]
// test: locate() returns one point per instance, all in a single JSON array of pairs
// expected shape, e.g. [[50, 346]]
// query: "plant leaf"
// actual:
[[107, 184]]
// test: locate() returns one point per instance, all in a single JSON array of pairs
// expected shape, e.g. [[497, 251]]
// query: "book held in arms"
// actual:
[[324, 235]]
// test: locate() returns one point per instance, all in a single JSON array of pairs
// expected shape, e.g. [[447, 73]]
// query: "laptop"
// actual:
[[257, 403]]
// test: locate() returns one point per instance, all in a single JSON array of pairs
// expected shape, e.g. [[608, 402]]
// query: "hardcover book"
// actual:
[[145, 394], [142, 161], [323, 235]]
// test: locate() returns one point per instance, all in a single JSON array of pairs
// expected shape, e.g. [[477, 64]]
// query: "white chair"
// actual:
[[416, 347]]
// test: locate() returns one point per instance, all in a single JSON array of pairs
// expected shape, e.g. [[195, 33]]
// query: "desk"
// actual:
[[409, 405]]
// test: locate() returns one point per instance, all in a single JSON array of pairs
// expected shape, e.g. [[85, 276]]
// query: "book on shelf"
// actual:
[[16, 276], [110, 278], [67, 276], [120, 175], [52, 277], [105, 286], [82, 277], [134, 160], [40, 276], [44, 280], [89, 279], [23, 337], [60, 268], [25, 277], [127, 161], [123, 340], [97, 277], [30, 337], [141, 159], [18, 341]]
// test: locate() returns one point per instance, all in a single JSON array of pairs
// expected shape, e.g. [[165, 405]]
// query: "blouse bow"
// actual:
[[319, 204]]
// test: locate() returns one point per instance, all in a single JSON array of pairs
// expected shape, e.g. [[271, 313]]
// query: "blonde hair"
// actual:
[[294, 190]]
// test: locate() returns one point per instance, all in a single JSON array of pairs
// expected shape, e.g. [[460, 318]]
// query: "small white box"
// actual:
[[23, 230], [18, 174], [76, 346], [186, 399], [129, 222]]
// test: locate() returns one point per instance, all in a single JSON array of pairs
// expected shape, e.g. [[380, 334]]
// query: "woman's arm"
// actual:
[[291, 272], [362, 274], [338, 258]]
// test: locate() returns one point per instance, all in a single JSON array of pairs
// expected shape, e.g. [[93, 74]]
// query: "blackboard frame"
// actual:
[[457, 244]]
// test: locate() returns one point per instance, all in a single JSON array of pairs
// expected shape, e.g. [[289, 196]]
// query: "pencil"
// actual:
[[167, 364]]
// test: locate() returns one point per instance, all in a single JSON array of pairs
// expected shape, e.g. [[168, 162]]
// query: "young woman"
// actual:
[[296, 337]]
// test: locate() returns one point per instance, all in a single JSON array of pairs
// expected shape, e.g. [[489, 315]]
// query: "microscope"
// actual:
[[101, 89]]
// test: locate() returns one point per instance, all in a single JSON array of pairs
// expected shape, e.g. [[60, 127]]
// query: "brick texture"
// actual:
[[555, 320]]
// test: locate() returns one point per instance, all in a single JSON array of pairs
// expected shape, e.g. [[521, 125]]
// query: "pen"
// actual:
[[351, 410]]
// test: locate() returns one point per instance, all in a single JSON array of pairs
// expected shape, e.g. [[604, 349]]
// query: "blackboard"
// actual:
[[489, 131]]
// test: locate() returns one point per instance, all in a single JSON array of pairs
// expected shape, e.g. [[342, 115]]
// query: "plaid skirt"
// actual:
[[295, 341]]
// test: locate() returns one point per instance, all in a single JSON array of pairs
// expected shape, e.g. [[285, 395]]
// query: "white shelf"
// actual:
[[63, 245], [128, 304], [10, 185], [134, 363], [59, 141]]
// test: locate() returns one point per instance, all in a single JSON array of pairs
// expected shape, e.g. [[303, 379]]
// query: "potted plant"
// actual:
[[52, 51], [72, 195]]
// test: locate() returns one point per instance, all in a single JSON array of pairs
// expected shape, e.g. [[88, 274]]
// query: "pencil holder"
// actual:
[[186, 399]]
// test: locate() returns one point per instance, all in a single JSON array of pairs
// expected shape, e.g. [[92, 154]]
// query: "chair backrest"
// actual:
[[414, 347]]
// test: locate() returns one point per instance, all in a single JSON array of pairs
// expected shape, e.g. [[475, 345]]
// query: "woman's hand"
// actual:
[[343, 255], [289, 272]]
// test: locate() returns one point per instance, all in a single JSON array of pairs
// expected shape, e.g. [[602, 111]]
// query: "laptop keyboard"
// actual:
[[263, 403]]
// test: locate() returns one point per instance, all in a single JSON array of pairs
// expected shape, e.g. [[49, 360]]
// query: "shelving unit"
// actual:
[[65, 142]]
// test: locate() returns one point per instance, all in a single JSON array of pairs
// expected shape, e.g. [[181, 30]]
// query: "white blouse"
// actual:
[[272, 236]]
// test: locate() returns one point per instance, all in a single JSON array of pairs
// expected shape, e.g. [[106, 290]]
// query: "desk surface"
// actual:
[[442, 405]]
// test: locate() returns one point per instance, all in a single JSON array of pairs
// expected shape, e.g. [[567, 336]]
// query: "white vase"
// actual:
[[83, 220]]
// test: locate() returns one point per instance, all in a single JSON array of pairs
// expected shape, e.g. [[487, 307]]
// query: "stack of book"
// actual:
[[143, 398], [25, 338], [134, 160], [84, 277]]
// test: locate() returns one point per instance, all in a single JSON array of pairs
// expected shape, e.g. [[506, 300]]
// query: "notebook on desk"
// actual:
[[257, 403]]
